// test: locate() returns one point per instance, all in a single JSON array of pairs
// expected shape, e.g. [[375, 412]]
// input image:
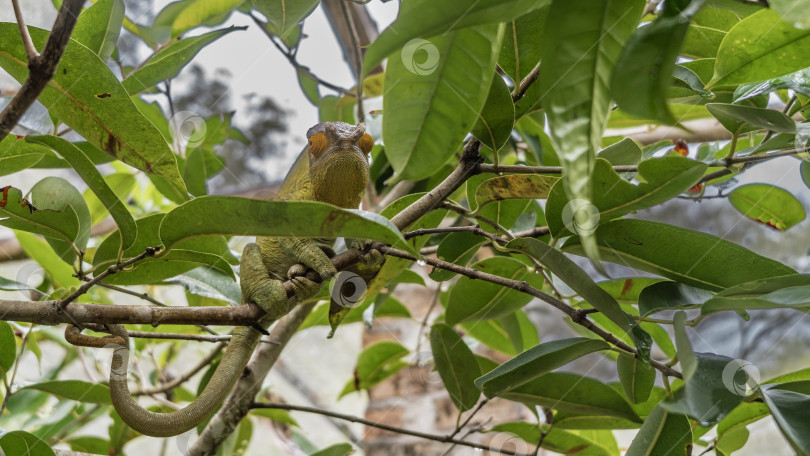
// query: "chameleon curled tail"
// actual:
[[233, 362]]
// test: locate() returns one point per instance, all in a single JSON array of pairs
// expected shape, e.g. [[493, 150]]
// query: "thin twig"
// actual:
[[521, 169], [291, 58], [461, 426], [183, 378], [150, 251], [30, 50], [42, 67], [357, 419], [358, 58], [14, 372], [475, 229], [521, 88], [576, 315]]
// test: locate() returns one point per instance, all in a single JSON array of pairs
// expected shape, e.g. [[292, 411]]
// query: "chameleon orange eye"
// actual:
[[317, 143], [365, 143]]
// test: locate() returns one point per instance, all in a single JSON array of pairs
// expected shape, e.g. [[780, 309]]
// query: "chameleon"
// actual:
[[333, 168]]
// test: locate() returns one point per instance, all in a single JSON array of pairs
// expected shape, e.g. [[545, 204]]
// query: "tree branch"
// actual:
[[357, 419], [577, 316], [43, 66]]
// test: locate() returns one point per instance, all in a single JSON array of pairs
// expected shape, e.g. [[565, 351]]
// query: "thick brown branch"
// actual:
[[42, 67], [357, 419], [467, 167]]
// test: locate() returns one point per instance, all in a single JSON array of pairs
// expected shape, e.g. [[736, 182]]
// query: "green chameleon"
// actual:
[[332, 169]]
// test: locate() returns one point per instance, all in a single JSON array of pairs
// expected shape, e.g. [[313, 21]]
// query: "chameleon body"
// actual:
[[332, 169]]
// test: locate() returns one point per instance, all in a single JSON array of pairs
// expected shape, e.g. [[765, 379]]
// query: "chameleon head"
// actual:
[[338, 162]]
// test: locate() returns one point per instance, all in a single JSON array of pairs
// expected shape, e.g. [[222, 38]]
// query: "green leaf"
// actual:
[[21, 443], [187, 255], [426, 18], [798, 81], [8, 348], [458, 248], [662, 434], [670, 296], [768, 204], [476, 300], [167, 63], [706, 31], [16, 155], [774, 293], [686, 256], [742, 119], [535, 362], [514, 186], [577, 63], [99, 25], [234, 216], [494, 333], [796, 12], [122, 185], [646, 64], [278, 415], [57, 194], [210, 283], [39, 251], [573, 393], [456, 365], [12, 285], [376, 363], [580, 282], [520, 51], [17, 213], [731, 431], [83, 85], [494, 124], [625, 152], [93, 178], [660, 179], [77, 390], [761, 46], [430, 106], [712, 383], [195, 13], [283, 16], [791, 410], [339, 449], [636, 377], [521, 331]]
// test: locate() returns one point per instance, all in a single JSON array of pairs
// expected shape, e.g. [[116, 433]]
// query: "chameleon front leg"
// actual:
[[260, 287]]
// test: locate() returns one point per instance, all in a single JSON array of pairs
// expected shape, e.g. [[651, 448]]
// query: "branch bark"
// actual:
[[41, 67]]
